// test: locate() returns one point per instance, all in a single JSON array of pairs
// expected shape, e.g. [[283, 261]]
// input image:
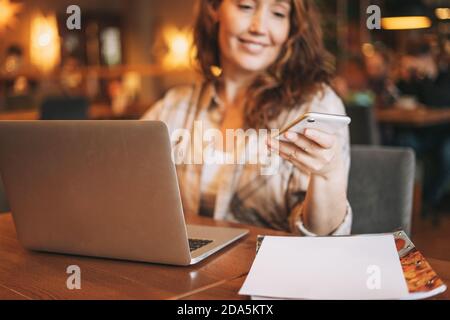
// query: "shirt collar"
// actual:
[[214, 99], [212, 103]]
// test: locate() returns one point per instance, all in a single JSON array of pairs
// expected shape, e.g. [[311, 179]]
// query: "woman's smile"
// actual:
[[252, 46]]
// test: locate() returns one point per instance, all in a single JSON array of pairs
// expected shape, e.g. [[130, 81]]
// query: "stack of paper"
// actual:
[[363, 267]]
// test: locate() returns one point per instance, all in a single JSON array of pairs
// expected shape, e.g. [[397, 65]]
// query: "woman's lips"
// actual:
[[253, 47]]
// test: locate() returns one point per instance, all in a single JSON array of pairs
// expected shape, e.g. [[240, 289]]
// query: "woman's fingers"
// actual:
[[296, 155], [302, 142], [314, 151], [323, 139]]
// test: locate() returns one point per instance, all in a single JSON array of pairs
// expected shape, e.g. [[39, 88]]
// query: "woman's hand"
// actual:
[[314, 152], [319, 154]]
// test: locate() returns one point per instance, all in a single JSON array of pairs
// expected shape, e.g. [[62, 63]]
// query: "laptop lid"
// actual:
[[96, 188]]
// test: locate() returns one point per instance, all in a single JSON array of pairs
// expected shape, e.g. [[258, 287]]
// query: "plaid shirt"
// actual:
[[244, 195]]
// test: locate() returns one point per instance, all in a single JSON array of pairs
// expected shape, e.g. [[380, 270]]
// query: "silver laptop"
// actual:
[[103, 189]]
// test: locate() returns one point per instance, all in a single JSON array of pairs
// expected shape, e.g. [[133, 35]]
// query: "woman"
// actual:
[[273, 68]]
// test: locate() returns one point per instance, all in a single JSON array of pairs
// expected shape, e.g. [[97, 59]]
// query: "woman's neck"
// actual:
[[234, 84]]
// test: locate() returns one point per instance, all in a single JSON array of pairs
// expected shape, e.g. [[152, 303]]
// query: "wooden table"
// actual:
[[31, 275], [421, 117]]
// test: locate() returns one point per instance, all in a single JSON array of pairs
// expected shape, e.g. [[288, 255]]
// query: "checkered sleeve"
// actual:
[[329, 102]]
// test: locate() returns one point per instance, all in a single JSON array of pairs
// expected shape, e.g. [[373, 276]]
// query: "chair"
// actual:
[[64, 108], [381, 189], [363, 129]]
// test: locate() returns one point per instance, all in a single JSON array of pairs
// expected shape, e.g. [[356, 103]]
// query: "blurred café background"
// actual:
[[395, 81]]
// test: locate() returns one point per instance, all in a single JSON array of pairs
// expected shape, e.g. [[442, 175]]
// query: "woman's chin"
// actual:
[[251, 65]]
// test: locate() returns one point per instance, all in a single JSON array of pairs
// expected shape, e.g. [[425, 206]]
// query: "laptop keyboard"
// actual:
[[195, 244]]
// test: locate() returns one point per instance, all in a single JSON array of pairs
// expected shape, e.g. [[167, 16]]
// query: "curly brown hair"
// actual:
[[299, 72]]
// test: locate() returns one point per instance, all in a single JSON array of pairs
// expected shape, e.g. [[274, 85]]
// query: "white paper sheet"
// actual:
[[363, 267]]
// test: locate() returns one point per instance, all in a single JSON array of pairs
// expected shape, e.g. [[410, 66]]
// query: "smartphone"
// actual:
[[329, 123]]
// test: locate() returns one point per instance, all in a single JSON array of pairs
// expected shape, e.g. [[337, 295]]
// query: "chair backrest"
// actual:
[[64, 108], [363, 129], [381, 189]]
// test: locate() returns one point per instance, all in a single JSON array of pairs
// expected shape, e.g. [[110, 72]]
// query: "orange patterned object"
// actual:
[[418, 273]]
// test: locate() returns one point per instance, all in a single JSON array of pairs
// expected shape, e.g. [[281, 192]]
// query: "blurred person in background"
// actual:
[[423, 78], [264, 64], [367, 80], [351, 83], [379, 70]]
